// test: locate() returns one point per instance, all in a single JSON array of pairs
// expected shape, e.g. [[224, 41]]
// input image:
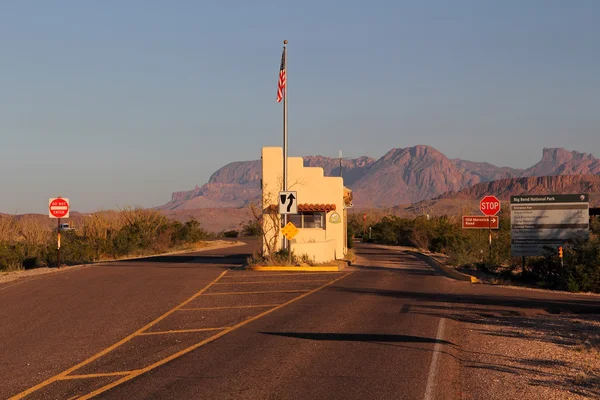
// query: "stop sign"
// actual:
[[489, 205], [58, 207]]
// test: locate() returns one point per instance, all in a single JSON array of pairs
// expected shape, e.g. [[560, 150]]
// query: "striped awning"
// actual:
[[307, 207], [316, 207]]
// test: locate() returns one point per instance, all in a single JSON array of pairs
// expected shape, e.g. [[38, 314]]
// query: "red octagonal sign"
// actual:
[[489, 205]]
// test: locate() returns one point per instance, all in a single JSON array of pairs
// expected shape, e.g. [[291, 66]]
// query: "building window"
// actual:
[[307, 219]]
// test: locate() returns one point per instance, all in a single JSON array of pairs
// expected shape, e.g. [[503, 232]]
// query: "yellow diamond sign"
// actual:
[[289, 231]]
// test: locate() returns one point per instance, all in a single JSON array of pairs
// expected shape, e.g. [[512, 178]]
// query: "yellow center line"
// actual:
[[294, 281], [74, 397], [114, 346], [227, 307], [261, 292], [202, 343], [183, 331], [90, 376]]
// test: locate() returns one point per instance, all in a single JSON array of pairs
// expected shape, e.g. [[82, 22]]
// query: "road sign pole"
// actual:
[[490, 237], [58, 248]]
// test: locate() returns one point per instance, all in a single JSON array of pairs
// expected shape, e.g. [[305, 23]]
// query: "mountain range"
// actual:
[[402, 176]]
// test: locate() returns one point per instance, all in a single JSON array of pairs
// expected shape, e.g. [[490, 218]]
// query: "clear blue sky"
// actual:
[[116, 103]]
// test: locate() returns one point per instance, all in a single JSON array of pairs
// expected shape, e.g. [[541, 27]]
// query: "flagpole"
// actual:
[[285, 140]]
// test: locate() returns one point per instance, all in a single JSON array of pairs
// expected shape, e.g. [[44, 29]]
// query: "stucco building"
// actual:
[[322, 204]]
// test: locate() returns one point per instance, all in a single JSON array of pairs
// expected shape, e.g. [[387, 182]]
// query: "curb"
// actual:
[[450, 272], [318, 268]]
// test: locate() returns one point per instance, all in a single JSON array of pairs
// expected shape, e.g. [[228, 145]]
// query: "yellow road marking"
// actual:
[[289, 268], [184, 331], [114, 346], [263, 274], [295, 281], [202, 343], [261, 292], [90, 376], [227, 307], [74, 397]]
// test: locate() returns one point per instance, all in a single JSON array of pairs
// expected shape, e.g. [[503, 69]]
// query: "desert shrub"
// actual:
[[595, 225], [190, 231], [349, 241], [76, 249], [252, 228], [28, 242], [393, 230], [30, 263], [231, 234], [11, 256], [280, 257], [580, 270], [355, 226]]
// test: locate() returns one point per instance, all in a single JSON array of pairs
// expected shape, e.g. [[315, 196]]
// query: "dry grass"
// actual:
[[29, 241], [351, 256]]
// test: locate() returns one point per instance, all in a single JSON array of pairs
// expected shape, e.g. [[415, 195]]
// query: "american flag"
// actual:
[[281, 84]]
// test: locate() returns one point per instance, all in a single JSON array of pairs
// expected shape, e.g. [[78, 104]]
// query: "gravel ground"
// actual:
[[15, 275], [531, 357]]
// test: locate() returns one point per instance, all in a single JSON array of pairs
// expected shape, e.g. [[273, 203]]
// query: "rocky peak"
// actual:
[[559, 155], [555, 161]]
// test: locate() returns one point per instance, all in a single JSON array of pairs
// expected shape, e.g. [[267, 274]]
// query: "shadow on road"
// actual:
[[358, 337], [406, 271], [552, 306], [186, 261]]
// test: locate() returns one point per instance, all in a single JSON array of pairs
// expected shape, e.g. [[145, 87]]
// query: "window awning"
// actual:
[[316, 207], [307, 207]]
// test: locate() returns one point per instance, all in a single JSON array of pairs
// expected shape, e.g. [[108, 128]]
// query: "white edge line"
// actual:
[[429, 390]]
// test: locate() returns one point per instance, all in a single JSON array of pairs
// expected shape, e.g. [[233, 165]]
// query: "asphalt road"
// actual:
[[191, 327]]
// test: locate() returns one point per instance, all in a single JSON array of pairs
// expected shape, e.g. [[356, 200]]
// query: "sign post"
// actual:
[[490, 206], [58, 207], [288, 204]]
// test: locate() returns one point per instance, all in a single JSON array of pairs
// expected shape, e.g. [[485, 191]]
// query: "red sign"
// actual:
[[58, 207], [489, 205], [479, 222]]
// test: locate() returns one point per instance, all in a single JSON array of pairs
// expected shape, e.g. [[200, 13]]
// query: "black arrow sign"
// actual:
[[291, 199]]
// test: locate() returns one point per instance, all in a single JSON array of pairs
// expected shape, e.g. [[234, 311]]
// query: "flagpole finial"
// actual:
[[285, 42]]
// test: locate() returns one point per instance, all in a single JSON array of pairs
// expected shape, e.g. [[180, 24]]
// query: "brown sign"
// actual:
[[479, 222]]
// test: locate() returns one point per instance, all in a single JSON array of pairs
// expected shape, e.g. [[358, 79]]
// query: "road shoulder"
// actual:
[[535, 357]]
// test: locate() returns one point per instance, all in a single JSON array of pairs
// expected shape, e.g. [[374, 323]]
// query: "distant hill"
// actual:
[[467, 200], [402, 176], [238, 183], [505, 188]]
